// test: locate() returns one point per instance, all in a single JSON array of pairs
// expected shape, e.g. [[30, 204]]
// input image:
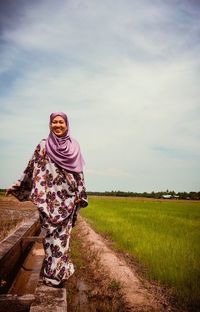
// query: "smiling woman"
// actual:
[[54, 182], [58, 126]]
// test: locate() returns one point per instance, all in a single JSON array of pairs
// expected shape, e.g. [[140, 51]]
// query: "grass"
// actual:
[[90, 288], [8, 219], [2, 195], [164, 237], [6, 225], [12, 212]]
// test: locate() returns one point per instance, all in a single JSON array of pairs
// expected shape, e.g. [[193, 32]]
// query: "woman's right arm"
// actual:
[[21, 189]]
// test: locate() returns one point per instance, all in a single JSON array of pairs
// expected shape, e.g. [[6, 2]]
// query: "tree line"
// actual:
[[157, 195]]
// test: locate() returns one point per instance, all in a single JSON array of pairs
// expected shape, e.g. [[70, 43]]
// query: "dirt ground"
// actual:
[[90, 289], [104, 280], [13, 213]]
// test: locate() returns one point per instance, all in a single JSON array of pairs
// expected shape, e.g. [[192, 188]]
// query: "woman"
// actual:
[[54, 181]]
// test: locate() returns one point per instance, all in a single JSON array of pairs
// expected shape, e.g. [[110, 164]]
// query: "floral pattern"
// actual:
[[54, 190]]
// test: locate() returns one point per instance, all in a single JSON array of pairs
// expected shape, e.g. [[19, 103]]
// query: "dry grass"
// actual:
[[8, 222], [12, 213], [101, 293]]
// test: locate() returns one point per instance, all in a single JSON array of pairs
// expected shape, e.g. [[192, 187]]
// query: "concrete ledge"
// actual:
[[49, 299], [13, 251], [16, 303]]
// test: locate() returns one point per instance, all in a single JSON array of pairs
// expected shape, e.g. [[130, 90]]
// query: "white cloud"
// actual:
[[128, 77]]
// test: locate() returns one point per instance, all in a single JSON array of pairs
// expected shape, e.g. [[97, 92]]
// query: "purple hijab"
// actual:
[[64, 151]]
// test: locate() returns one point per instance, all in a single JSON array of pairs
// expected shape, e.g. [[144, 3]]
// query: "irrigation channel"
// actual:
[[21, 258], [94, 287]]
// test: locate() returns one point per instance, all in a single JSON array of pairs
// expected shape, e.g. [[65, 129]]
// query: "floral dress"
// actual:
[[54, 191]]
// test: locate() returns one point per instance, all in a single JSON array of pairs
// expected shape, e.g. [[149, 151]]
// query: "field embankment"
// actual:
[[162, 236], [12, 213]]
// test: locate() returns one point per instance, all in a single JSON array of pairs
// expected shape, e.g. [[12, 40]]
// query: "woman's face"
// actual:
[[58, 126]]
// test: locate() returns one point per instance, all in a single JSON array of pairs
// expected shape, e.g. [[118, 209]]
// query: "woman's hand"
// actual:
[[77, 201], [13, 187], [8, 192]]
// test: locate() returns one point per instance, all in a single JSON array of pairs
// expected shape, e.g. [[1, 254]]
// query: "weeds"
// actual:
[[103, 294], [114, 285]]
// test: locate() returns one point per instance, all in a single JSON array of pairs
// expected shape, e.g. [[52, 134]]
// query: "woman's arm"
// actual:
[[21, 189], [81, 200]]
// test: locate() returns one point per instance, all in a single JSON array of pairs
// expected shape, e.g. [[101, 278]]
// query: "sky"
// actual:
[[127, 74]]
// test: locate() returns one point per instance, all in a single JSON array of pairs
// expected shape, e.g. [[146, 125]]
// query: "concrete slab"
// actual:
[[49, 299], [11, 303]]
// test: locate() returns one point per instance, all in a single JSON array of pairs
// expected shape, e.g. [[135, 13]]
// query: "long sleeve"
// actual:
[[81, 190], [21, 189], [81, 195]]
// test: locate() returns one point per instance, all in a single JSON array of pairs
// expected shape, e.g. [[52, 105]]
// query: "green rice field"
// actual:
[[164, 236]]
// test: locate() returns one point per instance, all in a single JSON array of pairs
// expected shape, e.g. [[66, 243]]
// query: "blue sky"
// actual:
[[126, 72]]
